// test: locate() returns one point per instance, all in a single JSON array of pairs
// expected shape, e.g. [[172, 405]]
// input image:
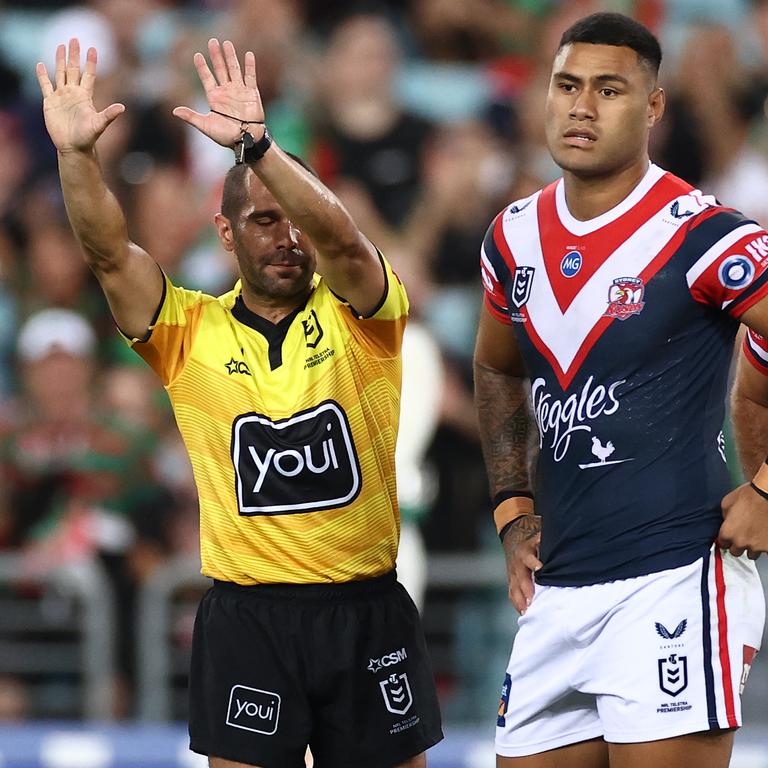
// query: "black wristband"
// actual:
[[510, 494], [759, 491], [505, 530], [248, 150]]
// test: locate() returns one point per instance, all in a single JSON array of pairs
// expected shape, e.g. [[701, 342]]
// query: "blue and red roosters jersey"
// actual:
[[626, 324]]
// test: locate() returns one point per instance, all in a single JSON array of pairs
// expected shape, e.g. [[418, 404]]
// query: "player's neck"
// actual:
[[273, 308], [588, 197]]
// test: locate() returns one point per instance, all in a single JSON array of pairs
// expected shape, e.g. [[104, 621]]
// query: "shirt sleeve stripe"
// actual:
[[500, 314], [487, 263], [749, 297], [756, 348], [756, 355], [712, 254]]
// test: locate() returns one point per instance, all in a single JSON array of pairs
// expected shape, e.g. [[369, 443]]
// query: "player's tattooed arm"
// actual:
[[523, 529], [521, 553], [505, 424]]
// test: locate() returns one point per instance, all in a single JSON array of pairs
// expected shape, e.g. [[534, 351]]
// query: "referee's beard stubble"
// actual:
[[280, 274]]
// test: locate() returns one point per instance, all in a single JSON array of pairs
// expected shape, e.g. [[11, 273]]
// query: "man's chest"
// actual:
[[626, 291]]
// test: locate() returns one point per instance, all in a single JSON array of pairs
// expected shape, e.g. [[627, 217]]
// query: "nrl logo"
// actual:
[[521, 287], [397, 693], [673, 674], [313, 331]]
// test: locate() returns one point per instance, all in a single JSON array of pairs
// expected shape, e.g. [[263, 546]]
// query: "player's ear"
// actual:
[[224, 231], [656, 102]]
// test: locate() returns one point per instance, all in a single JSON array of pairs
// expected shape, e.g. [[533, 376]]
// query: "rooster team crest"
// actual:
[[625, 297], [397, 693]]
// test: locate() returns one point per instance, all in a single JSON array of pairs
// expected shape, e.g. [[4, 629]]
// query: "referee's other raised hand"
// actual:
[[72, 121]]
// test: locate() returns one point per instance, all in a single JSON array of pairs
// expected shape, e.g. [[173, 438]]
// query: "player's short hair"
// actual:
[[234, 195], [616, 29]]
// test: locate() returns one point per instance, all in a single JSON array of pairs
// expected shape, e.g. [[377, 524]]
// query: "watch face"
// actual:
[[248, 140]]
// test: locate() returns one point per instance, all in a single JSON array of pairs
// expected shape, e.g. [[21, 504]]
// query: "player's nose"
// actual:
[[584, 106], [288, 235]]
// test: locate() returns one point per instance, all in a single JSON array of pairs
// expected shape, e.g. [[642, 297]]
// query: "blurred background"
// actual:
[[425, 116]]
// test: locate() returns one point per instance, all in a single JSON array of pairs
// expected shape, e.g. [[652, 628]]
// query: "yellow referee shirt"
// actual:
[[291, 430]]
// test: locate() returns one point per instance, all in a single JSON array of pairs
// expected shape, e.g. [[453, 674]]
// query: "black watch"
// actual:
[[248, 150]]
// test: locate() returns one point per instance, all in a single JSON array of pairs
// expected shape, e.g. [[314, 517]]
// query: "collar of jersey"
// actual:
[[576, 227], [271, 331]]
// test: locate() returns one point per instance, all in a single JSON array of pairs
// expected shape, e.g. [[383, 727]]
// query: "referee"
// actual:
[[286, 391]]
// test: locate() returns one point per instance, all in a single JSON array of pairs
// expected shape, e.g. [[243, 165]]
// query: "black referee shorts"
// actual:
[[341, 667]]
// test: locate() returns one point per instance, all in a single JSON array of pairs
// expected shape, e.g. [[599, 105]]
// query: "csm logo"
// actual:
[[305, 462], [252, 709], [387, 660]]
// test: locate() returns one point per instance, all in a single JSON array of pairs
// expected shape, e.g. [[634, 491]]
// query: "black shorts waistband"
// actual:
[[335, 590]]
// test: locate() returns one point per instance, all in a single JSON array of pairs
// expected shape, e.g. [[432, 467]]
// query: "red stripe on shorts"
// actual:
[[722, 626]]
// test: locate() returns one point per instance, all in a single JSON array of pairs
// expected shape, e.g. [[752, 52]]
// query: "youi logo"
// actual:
[[303, 463], [252, 709], [571, 263]]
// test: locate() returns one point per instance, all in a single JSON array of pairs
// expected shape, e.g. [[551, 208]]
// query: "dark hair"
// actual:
[[234, 195], [616, 29]]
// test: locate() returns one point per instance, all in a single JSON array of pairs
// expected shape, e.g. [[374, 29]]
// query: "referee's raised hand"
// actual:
[[232, 93], [72, 121]]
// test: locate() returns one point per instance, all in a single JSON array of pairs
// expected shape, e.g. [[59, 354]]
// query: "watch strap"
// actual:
[[249, 150]]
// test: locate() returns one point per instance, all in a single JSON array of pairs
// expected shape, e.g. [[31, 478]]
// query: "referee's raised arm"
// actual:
[[130, 279], [346, 258]]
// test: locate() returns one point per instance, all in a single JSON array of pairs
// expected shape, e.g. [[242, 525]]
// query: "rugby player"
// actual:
[[617, 292]]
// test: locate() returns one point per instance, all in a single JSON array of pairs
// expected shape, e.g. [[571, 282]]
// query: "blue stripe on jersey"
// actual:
[[700, 238], [709, 674], [500, 266]]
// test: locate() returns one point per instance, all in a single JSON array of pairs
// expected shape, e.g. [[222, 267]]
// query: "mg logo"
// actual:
[[673, 674], [252, 709], [571, 264], [397, 693]]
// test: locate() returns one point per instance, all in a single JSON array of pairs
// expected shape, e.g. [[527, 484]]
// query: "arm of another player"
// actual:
[[346, 258], [505, 430], [132, 282], [745, 511]]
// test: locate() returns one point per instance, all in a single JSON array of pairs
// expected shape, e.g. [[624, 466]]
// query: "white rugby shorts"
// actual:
[[633, 660]]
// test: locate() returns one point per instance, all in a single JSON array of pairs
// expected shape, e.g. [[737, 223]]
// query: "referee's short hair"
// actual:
[[234, 196], [616, 29]]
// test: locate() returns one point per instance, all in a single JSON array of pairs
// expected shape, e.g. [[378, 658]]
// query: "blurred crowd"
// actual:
[[425, 116]]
